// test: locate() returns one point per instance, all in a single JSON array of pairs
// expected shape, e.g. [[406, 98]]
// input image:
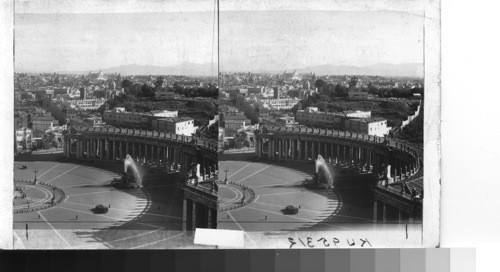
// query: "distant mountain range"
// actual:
[[185, 69], [382, 69]]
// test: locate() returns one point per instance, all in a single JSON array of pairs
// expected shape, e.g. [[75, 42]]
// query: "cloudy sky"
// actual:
[[83, 37]]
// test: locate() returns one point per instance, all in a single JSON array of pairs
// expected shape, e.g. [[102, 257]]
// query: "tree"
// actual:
[[341, 91], [147, 91], [319, 83], [159, 82], [127, 85]]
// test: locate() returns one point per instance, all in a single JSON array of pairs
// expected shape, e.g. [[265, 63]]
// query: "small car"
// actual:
[[100, 209], [290, 210]]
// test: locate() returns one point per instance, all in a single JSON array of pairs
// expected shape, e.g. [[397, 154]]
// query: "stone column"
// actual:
[[375, 211], [194, 215], [273, 148], [134, 154], [87, 148], [337, 156], [152, 154], [65, 148], [209, 223], [78, 149], [107, 149], [280, 148], [306, 150], [121, 150], [257, 147], [184, 214], [158, 154], [99, 149], [299, 149], [313, 151], [370, 154], [384, 212], [325, 148], [139, 152], [354, 155]]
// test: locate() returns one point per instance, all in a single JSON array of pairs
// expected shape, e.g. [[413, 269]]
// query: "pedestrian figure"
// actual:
[[299, 207], [26, 231], [38, 216], [266, 217], [76, 217], [109, 205]]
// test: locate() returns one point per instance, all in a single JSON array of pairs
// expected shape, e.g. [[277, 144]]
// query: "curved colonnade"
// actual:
[[162, 150], [395, 165], [148, 147]]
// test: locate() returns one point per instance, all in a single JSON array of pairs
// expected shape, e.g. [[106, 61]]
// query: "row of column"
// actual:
[[383, 212], [197, 215], [364, 159], [172, 157]]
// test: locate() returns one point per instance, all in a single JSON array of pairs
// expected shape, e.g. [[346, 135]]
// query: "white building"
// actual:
[[175, 125], [372, 126], [88, 104], [281, 103]]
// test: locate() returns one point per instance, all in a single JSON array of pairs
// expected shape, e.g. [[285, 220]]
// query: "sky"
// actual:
[[280, 40], [52, 42], [255, 35]]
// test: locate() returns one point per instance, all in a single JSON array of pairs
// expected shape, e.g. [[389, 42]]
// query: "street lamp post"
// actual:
[[35, 171]]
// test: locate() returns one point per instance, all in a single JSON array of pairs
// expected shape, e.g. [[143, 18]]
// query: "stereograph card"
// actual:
[[221, 124]]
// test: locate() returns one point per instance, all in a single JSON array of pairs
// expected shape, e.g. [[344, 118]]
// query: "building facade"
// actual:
[[175, 125]]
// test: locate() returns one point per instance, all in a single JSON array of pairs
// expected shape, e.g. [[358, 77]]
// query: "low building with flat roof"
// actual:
[[372, 126], [175, 125]]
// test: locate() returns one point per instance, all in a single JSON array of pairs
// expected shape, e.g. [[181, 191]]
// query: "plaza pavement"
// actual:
[[150, 217], [278, 184]]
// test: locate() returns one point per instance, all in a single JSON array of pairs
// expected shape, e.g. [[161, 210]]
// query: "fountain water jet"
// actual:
[[130, 166], [324, 175]]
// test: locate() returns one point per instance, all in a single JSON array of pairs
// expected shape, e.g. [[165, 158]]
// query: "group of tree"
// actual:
[[331, 90], [395, 92], [147, 91], [210, 91], [138, 90]]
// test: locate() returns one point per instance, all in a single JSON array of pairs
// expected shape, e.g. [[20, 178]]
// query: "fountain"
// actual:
[[323, 173], [131, 170]]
